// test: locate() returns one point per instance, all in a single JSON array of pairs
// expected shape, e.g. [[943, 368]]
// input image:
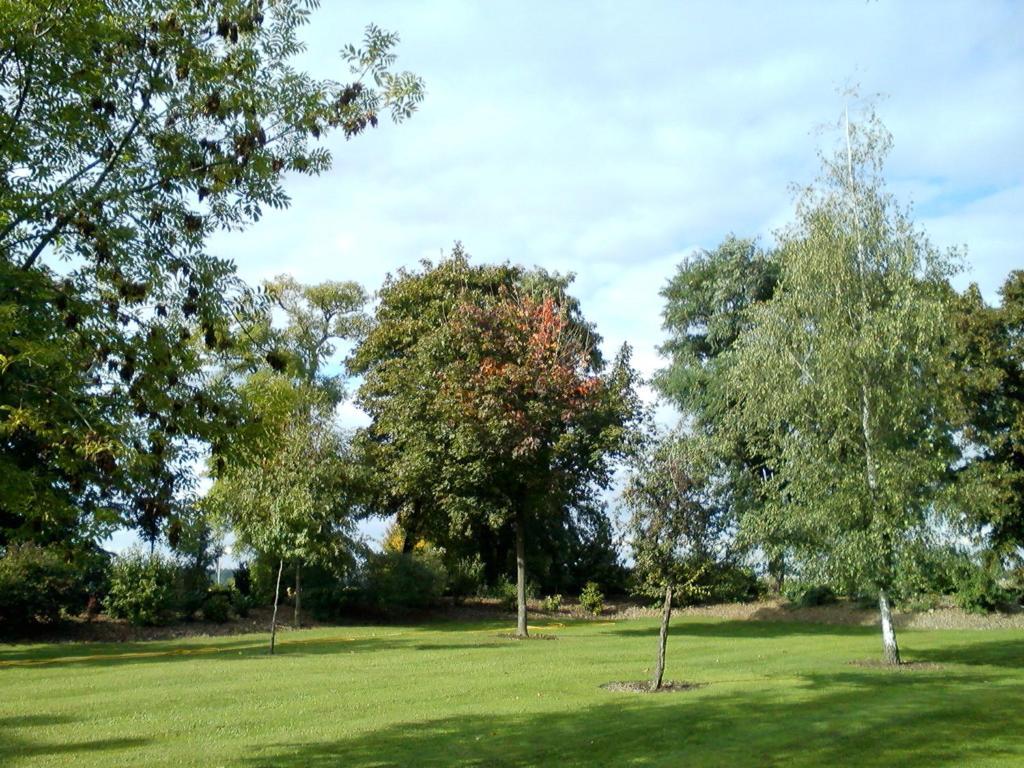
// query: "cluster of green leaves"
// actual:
[[989, 356], [283, 485], [295, 329]]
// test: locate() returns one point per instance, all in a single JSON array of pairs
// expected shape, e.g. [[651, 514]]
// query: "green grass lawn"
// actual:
[[458, 694]]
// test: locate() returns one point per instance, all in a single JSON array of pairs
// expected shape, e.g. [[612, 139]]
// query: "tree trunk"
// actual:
[[277, 598], [521, 630], [666, 614], [777, 570], [298, 594], [890, 649]]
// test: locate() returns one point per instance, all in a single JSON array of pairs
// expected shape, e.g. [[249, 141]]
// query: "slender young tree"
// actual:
[[282, 488], [843, 377], [295, 330], [677, 529], [707, 306]]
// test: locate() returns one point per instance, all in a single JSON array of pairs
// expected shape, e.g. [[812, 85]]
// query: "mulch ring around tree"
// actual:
[[531, 636], [644, 686], [903, 666]]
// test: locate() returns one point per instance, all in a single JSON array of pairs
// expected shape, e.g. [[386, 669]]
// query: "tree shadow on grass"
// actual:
[[990, 652], [148, 652], [13, 746], [251, 646], [867, 718]]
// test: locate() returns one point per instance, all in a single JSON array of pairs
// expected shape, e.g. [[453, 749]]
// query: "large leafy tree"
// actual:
[[130, 130], [530, 413], [843, 377], [490, 402], [707, 307], [989, 352], [407, 343]]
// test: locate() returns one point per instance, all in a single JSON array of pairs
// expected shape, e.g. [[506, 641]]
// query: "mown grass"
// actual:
[[457, 694]]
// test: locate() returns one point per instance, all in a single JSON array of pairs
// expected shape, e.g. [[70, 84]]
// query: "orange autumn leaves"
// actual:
[[525, 373]]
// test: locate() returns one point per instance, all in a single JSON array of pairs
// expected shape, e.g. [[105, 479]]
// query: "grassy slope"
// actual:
[[457, 694]]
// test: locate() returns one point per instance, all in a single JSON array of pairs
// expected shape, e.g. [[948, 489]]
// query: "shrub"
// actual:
[[820, 595], [591, 599], [243, 579], [397, 581], [729, 583], [142, 587], [221, 601], [190, 591], [978, 591], [931, 570], [263, 580], [327, 591], [552, 603], [507, 593], [465, 575], [1015, 585], [242, 605], [217, 608], [38, 584]]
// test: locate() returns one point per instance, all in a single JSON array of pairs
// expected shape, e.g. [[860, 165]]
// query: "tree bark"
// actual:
[[297, 619], [277, 598], [521, 630], [777, 571], [890, 648], [666, 614]]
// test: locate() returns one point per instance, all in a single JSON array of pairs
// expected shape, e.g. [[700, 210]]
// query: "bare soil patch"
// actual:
[[844, 612], [905, 666], [644, 686]]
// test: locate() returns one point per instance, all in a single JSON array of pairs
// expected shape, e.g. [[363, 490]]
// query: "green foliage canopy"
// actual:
[[488, 395]]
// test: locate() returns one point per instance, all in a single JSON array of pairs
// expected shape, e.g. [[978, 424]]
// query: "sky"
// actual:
[[614, 139]]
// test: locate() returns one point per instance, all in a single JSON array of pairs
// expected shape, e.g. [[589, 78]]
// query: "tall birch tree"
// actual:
[[843, 376]]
